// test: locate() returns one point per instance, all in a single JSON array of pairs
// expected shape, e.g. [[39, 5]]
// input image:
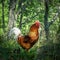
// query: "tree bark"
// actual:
[[12, 21], [46, 2], [58, 32], [3, 21], [20, 23], [21, 12]]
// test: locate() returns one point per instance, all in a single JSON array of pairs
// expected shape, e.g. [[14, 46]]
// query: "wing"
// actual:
[[24, 42]]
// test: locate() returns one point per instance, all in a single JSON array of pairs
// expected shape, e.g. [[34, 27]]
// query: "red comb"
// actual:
[[37, 23]]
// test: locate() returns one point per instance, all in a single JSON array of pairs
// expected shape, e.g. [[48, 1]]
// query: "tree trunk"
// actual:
[[46, 2], [58, 32], [40, 51], [21, 12], [3, 21], [12, 21], [20, 23]]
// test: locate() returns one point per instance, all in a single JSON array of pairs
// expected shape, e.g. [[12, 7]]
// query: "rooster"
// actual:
[[31, 38]]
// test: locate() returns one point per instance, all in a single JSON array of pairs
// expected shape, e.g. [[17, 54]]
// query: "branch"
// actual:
[[55, 17]]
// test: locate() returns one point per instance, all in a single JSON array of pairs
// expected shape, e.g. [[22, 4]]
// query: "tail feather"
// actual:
[[14, 33]]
